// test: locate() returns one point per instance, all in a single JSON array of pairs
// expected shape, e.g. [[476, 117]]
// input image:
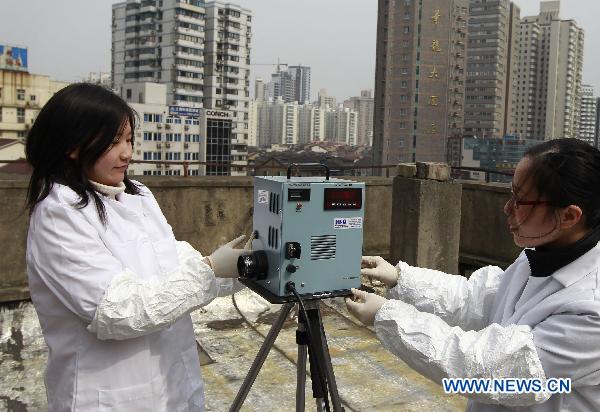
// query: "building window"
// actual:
[[152, 118], [32, 98], [20, 94], [20, 115]]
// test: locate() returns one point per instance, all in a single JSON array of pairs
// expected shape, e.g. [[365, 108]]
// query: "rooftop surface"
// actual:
[[229, 333]]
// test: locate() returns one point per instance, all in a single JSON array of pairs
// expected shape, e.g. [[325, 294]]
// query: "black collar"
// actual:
[[544, 262]]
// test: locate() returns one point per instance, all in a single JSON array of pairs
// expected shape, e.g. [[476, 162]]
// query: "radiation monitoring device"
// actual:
[[308, 231]]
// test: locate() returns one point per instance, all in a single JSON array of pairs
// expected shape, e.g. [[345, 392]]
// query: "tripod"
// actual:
[[318, 352]]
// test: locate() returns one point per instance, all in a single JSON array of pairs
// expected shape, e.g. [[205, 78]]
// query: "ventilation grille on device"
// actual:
[[274, 203], [273, 237], [322, 247]]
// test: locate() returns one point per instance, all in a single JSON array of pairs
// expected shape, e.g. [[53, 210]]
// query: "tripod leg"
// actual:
[[302, 341], [260, 357], [315, 376], [322, 354]]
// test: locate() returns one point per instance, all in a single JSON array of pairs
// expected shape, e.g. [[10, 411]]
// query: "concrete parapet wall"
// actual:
[[425, 227], [205, 211], [484, 235]]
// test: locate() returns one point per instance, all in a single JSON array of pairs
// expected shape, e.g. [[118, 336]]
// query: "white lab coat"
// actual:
[[501, 325], [113, 302]]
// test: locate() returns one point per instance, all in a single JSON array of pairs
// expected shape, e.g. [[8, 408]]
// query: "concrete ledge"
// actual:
[[14, 294], [407, 170], [433, 171]]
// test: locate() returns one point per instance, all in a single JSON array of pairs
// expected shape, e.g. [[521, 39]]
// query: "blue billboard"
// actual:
[[13, 58]]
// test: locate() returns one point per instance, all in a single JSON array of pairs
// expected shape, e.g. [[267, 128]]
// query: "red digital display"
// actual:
[[343, 199]]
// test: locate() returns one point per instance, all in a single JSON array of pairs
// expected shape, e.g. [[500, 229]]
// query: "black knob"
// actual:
[[291, 268]]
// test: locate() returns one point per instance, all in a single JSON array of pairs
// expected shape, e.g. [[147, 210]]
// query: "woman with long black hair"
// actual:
[[537, 320], [111, 285]]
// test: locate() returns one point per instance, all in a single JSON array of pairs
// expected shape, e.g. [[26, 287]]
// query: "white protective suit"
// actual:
[[114, 301], [501, 325]]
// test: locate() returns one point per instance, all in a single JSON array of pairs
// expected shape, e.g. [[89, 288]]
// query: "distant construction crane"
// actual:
[[278, 64]]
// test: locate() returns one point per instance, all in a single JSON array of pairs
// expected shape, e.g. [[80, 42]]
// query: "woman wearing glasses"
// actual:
[[537, 320]]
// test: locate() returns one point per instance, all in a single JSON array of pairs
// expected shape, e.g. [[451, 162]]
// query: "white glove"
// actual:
[[365, 311], [224, 260], [376, 267]]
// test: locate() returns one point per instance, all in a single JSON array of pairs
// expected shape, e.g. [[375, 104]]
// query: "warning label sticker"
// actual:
[[347, 223], [263, 196]]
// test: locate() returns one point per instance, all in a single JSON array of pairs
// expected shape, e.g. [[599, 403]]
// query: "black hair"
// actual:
[[567, 172], [83, 117]]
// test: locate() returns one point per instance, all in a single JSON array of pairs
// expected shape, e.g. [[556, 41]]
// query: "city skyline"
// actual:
[[293, 32]]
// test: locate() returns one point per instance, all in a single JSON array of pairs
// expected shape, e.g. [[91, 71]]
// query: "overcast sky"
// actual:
[[67, 39]]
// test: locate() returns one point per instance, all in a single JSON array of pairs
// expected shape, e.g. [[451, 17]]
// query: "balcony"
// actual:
[[189, 80], [147, 54], [148, 9], [189, 56]]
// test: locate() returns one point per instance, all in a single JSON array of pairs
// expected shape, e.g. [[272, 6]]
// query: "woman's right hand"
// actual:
[[376, 267]]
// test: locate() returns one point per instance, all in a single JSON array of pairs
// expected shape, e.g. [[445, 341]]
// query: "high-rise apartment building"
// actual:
[[277, 123], [587, 113], [311, 124], [324, 101], [160, 41], [282, 86], [291, 84], [301, 77], [227, 74], [491, 73], [340, 126], [550, 65], [261, 91], [363, 106], [199, 50], [419, 79]]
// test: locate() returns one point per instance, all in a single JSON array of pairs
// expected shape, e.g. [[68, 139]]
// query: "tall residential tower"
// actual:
[[160, 41], [491, 72], [419, 79], [550, 66], [227, 74]]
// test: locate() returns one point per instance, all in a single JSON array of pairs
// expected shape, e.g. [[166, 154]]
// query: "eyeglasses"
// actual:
[[516, 202]]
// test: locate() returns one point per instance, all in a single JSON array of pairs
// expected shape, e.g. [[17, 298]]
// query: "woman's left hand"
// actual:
[[223, 261], [366, 310]]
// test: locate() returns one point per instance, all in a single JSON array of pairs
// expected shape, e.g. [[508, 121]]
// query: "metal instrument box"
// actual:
[[311, 229]]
